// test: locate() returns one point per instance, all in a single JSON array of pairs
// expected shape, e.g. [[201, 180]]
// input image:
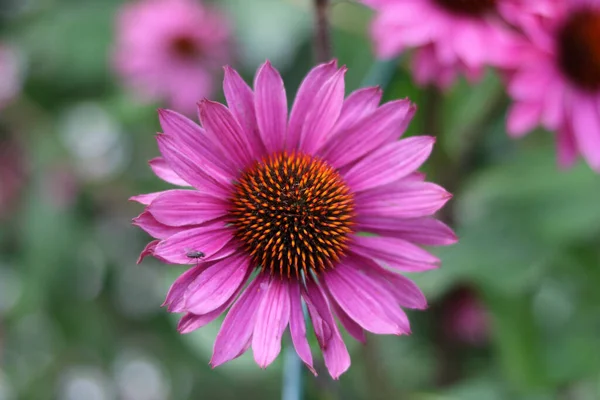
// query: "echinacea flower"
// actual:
[[557, 81], [464, 319], [449, 37], [171, 50], [278, 211]]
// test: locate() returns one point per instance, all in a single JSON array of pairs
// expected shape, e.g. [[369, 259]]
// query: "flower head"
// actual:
[[284, 205], [557, 81], [464, 318], [171, 49], [449, 36]]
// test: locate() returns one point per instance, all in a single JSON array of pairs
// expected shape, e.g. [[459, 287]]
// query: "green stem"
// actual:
[[292, 375]]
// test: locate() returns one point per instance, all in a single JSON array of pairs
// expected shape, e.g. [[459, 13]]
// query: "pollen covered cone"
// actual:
[[556, 83], [449, 37], [277, 207], [171, 50]]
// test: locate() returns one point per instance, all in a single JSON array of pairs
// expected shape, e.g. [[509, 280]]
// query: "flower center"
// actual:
[[293, 214], [468, 7], [579, 49], [185, 47]]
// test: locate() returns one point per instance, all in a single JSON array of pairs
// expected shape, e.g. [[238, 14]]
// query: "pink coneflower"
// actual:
[[282, 204], [171, 49], [464, 317], [557, 81], [449, 37]]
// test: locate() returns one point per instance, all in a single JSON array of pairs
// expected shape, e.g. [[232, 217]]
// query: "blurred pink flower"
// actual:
[[557, 81], [449, 37], [171, 49], [464, 318], [285, 198], [10, 71]]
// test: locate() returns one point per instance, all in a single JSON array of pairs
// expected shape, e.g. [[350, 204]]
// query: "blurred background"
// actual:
[[515, 308]]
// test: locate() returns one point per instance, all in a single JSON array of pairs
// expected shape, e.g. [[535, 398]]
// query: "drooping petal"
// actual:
[[523, 117], [353, 329], [148, 251], [163, 171], [368, 303], [208, 239], [405, 291], [586, 126], [305, 97], [402, 200], [186, 207], [271, 320], [224, 130], [426, 231], [190, 322], [237, 328], [213, 287], [389, 163], [323, 113], [271, 107], [175, 300], [298, 328], [335, 353], [154, 228], [240, 100]]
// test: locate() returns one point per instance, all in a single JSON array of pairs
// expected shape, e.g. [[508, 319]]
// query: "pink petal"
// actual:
[[186, 207], [390, 163], [217, 284], [324, 111], [406, 292], [225, 131], [154, 228], [175, 300], [402, 200], [187, 169], [207, 239], [306, 95], [145, 199], [359, 104], [368, 303], [271, 320], [237, 328], [195, 145], [148, 251], [353, 329], [586, 126], [522, 118], [271, 107], [163, 171], [425, 231], [396, 253], [240, 101], [373, 130], [298, 328], [335, 353], [190, 322]]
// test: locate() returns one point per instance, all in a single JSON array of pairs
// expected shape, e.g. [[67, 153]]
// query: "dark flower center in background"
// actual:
[[185, 47], [292, 213], [579, 49], [468, 7]]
